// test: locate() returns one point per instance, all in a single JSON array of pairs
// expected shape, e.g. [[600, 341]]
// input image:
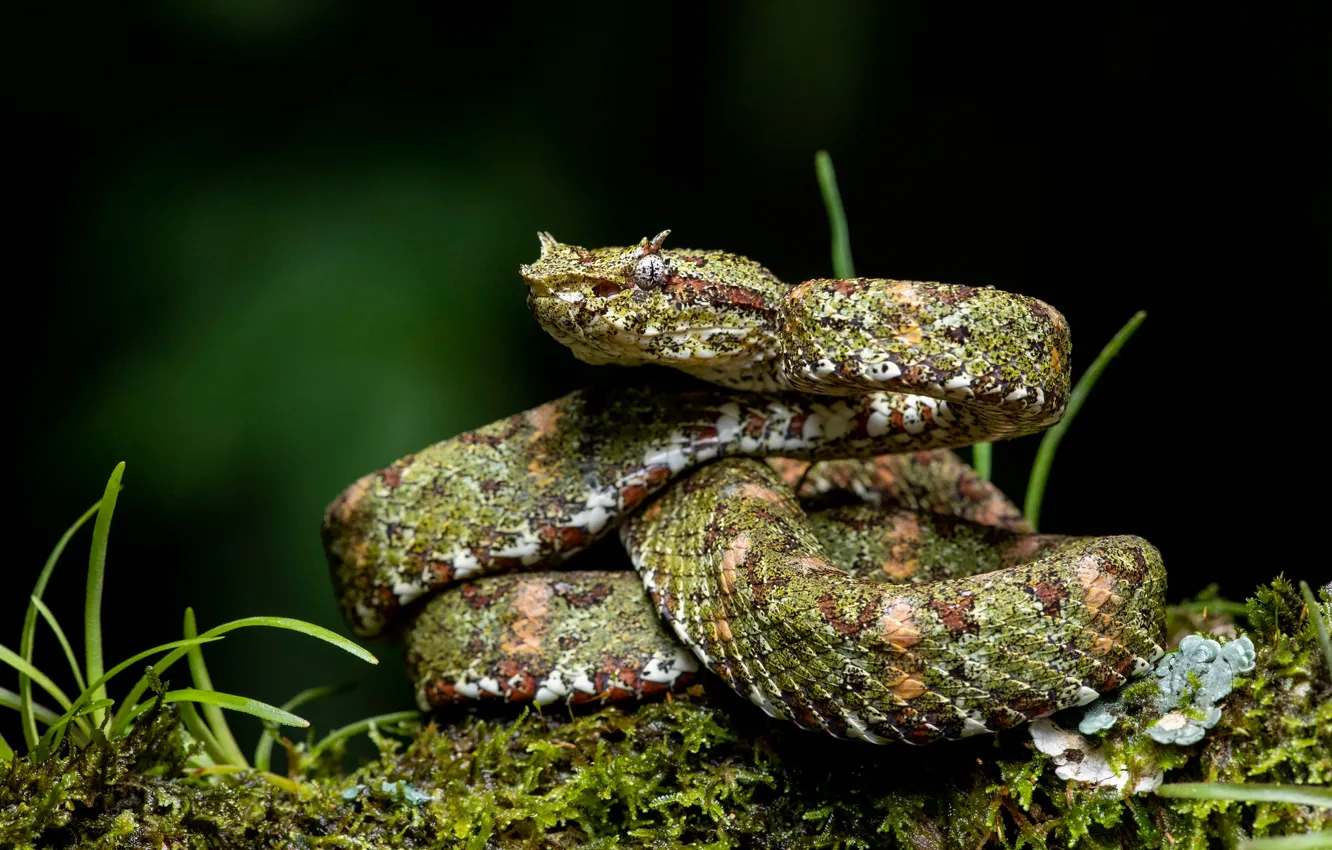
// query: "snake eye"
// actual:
[[650, 272]]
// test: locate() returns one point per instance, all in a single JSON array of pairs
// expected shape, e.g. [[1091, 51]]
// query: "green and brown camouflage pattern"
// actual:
[[840, 372], [735, 568]]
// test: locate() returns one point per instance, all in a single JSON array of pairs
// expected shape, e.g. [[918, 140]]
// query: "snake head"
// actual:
[[706, 312]]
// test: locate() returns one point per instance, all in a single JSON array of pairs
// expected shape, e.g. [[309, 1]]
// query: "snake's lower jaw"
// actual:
[[563, 320]]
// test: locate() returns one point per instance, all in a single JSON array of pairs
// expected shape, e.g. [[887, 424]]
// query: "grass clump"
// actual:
[[92, 739]]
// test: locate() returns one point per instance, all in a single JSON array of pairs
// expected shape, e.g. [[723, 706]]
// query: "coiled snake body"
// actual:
[[803, 613]]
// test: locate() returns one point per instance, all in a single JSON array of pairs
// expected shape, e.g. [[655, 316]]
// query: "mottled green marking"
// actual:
[[733, 565], [574, 637], [537, 487], [896, 545], [931, 481], [872, 378]]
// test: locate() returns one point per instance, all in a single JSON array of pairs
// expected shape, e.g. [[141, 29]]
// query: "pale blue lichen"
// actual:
[[1100, 716], [402, 792], [1192, 681]]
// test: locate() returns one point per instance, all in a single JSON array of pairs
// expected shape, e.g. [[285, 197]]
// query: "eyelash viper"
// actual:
[[1000, 625]]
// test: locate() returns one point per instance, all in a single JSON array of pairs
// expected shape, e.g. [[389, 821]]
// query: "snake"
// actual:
[[797, 522]]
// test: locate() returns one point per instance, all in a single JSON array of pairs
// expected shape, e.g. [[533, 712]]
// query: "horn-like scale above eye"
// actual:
[[650, 272]]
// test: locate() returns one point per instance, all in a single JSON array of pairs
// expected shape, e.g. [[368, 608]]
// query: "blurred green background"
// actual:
[[267, 247]]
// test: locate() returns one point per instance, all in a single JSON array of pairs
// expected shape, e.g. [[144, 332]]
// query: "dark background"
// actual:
[[258, 249]]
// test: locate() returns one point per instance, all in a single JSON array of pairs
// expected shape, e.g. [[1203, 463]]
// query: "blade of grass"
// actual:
[[982, 460], [262, 710], [95, 705], [9, 699], [263, 751], [221, 769], [118, 725], [1320, 625], [8, 656], [140, 709], [1040, 469], [197, 728], [843, 267], [46, 716], [64, 642], [1320, 840], [362, 725], [44, 744], [92, 607], [60, 728], [30, 623], [217, 723], [6, 751], [1244, 792]]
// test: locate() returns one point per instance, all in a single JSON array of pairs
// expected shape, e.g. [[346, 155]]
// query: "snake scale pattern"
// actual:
[[797, 521]]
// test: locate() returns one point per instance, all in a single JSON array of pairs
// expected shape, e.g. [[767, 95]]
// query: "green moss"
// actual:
[[707, 770]]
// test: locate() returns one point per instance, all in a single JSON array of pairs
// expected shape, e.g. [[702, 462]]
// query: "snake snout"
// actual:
[[535, 282]]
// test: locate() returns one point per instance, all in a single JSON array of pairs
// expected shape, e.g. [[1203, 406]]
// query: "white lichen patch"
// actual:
[[1078, 759]]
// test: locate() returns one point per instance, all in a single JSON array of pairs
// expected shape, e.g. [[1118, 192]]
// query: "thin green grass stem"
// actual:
[[262, 710], [263, 751], [28, 634], [44, 744], [92, 608], [982, 460], [1040, 469], [60, 727], [44, 715], [194, 723], [64, 642], [9, 699], [26, 668], [217, 721], [1245, 792], [127, 705], [843, 267], [362, 725], [1320, 624]]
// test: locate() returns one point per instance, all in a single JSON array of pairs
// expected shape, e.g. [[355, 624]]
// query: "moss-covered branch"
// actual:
[[710, 770]]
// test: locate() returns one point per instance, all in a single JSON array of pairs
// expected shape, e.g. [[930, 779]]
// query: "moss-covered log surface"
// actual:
[[709, 770]]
